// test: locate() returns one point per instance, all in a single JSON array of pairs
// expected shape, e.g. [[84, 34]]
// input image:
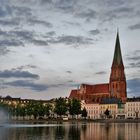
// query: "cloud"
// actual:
[[88, 14], [3, 50], [134, 27], [39, 42], [66, 6], [19, 38], [114, 2], [100, 73], [116, 14], [72, 23], [16, 14], [45, 1], [94, 32], [134, 65], [70, 40], [134, 58], [2, 12], [134, 86], [10, 42], [51, 33], [123, 10], [25, 67], [17, 74], [27, 84], [20, 11], [69, 72], [41, 22], [9, 22], [22, 34]]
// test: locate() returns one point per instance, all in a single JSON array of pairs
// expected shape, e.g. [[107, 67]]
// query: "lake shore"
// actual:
[[76, 120]]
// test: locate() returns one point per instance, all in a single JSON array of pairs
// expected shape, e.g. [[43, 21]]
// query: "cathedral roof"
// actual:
[[117, 60], [73, 93], [98, 88]]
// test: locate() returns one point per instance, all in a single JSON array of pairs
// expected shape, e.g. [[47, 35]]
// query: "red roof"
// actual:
[[99, 88], [73, 93], [91, 90]]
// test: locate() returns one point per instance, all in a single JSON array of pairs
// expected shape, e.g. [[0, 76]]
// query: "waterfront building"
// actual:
[[121, 113], [132, 108], [97, 110], [93, 110], [115, 88], [15, 101], [110, 104]]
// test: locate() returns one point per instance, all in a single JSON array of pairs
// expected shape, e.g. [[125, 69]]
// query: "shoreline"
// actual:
[[76, 120]]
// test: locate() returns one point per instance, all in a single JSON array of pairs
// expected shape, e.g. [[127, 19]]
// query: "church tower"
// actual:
[[117, 84]]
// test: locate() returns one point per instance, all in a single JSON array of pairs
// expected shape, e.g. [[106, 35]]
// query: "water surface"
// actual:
[[70, 131]]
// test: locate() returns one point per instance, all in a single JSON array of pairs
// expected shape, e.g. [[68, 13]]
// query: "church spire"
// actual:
[[117, 60], [117, 84]]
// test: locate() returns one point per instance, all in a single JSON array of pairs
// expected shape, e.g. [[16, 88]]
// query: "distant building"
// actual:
[[93, 111], [15, 101], [110, 104], [132, 108], [115, 88]]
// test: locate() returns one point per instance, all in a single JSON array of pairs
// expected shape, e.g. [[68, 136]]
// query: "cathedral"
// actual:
[[116, 88]]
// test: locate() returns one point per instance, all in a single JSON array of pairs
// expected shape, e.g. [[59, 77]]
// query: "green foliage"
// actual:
[[74, 107], [60, 106], [84, 112], [47, 109], [107, 113], [37, 109]]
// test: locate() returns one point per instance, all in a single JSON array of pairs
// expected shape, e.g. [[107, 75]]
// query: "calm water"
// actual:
[[71, 131]]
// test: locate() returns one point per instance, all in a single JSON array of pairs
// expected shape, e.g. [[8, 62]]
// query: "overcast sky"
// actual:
[[48, 47]]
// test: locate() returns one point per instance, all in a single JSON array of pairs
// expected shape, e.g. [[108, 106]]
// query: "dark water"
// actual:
[[71, 131]]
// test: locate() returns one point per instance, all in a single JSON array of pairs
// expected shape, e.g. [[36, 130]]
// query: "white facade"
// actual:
[[129, 110], [132, 109], [113, 108], [93, 111]]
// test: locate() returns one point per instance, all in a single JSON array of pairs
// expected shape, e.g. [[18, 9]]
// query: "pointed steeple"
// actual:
[[117, 60], [117, 83]]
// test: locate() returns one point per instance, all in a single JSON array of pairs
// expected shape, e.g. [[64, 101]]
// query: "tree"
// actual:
[[107, 113], [74, 107], [60, 106], [29, 110], [32, 109], [47, 109], [84, 112], [35, 110], [40, 110]]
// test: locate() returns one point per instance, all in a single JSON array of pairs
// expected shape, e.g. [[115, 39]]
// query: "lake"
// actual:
[[70, 131]]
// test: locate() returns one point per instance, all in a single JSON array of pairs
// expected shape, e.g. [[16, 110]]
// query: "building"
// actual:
[[110, 104], [15, 101], [132, 108], [121, 113], [115, 88], [93, 110]]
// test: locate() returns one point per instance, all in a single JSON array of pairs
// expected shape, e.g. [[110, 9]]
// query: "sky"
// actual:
[[48, 47]]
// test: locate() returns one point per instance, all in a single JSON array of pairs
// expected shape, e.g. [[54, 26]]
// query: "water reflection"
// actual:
[[73, 131]]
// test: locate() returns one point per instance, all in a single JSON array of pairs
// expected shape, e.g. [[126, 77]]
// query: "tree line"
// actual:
[[61, 107]]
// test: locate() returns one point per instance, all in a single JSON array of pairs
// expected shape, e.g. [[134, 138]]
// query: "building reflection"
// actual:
[[74, 131]]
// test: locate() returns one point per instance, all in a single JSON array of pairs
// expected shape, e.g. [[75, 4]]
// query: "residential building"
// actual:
[[132, 108], [93, 110]]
